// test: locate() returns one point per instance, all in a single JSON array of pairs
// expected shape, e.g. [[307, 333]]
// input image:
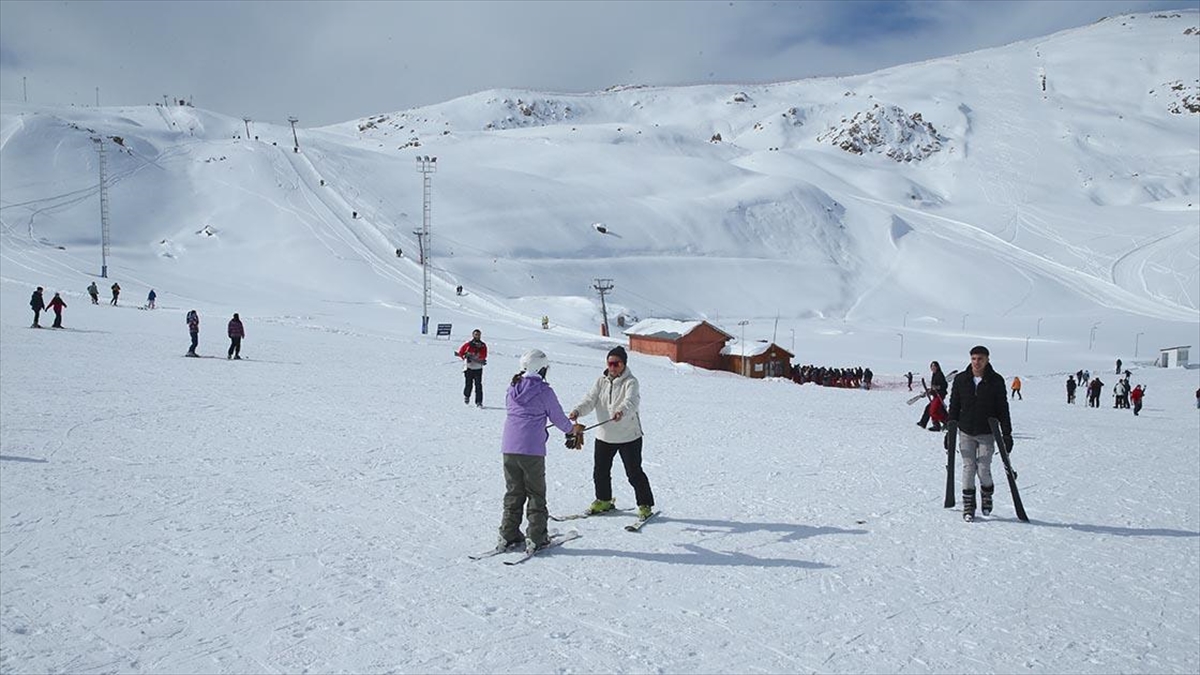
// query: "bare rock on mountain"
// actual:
[[886, 130], [522, 113]]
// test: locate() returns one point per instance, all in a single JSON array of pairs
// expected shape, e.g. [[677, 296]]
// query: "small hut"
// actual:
[[757, 359], [696, 342]]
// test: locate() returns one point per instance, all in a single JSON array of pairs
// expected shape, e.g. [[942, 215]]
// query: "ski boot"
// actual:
[[986, 498], [600, 506], [645, 511], [968, 497]]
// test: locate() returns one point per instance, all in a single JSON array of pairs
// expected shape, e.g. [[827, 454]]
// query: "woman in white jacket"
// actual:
[[615, 397]]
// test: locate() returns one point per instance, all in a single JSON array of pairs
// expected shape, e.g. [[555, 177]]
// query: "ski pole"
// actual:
[[548, 426]]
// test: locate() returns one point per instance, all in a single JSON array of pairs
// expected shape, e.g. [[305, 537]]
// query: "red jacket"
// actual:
[[937, 410], [57, 304], [236, 329], [474, 353], [1137, 394]]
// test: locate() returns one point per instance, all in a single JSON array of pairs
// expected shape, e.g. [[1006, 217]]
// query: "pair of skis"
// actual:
[[557, 539], [1009, 471], [587, 514]]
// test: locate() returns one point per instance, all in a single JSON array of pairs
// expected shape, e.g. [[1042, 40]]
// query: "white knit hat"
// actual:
[[534, 361]]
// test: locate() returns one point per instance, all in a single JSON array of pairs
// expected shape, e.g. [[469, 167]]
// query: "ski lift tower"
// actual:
[[103, 207], [427, 166]]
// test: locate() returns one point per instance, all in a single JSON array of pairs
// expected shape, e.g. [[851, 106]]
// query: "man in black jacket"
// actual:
[[978, 393], [37, 304]]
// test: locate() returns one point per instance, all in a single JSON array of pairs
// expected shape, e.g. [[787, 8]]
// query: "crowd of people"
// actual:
[[852, 378]]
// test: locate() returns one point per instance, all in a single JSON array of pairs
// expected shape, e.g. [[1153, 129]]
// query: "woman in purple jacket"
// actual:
[[530, 402]]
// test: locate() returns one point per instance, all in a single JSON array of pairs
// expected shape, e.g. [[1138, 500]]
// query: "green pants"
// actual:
[[524, 479]]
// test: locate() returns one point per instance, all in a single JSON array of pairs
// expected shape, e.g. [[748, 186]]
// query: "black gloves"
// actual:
[[574, 440]]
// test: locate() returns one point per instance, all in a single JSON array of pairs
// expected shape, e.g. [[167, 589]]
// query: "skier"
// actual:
[[57, 304], [977, 395], [937, 381], [529, 403], [193, 322], [615, 397], [866, 378], [1095, 387], [909, 376], [474, 356], [1016, 388], [236, 333], [94, 292], [1138, 393], [150, 299], [545, 322], [37, 304], [1118, 366], [1071, 389], [116, 291]]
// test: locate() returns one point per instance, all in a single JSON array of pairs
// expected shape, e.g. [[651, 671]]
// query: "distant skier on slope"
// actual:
[[116, 293], [37, 304], [94, 292], [529, 402], [57, 304], [474, 355], [1071, 386], [236, 332], [193, 323], [978, 394]]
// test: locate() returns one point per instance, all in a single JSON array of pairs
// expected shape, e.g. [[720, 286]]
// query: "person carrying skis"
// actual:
[[615, 397], [529, 402], [150, 299], [57, 304], [1071, 386], [937, 410], [37, 304], [474, 356], [1016, 388], [94, 292], [937, 381], [193, 322], [236, 333], [978, 394], [116, 291], [1138, 393]]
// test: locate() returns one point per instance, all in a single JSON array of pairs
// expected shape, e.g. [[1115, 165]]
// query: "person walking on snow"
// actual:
[[1016, 389], [529, 402], [236, 333], [474, 356], [94, 292], [978, 394], [909, 377], [937, 382], [615, 397], [37, 304], [1138, 393], [116, 291], [150, 299], [57, 304], [1071, 386], [193, 322], [1095, 387], [1118, 366]]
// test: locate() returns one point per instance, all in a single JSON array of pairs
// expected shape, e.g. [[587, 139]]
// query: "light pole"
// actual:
[[1092, 337], [964, 323], [295, 141], [793, 341], [904, 324], [901, 344], [247, 121], [426, 165], [1136, 339], [1026, 349], [742, 345], [1039, 327], [99, 140]]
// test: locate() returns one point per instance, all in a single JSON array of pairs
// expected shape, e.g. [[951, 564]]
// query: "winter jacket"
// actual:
[[193, 322], [36, 303], [236, 329], [57, 304], [1137, 394], [937, 410], [1071, 385], [971, 405], [92, 290], [529, 403], [938, 381], [607, 397], [474, 353], [1016, 384]]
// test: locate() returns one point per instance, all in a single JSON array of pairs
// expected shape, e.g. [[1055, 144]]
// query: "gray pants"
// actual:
[[976, 454], [524, 479]]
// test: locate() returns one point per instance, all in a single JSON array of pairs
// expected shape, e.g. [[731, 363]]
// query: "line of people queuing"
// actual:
[[851, 378]]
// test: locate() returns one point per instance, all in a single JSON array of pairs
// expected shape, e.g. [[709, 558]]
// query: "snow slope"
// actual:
[[311, 508]]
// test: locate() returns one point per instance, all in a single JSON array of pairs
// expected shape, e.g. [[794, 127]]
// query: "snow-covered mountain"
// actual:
[[311, 508]]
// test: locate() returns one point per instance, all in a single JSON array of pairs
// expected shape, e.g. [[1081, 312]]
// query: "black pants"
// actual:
[[925, 415], [57, 320], [235, 346], [195, 341], [631, 457], [36, 313], [473, 376], [114, 300]]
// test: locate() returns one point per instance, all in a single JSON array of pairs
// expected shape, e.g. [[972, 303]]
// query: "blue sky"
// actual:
[[328, 62]]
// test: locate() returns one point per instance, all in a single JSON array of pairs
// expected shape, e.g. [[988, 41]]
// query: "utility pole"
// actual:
[[295, 141], [603, 286], [97, 97], [427, 166], [164, 100], [103, 207], [742, 345], [1136, 339], [247, 121], [24, 90], [901, 335]]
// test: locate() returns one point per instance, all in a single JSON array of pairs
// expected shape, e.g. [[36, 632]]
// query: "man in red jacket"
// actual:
[[1136, 396], [57, 305], [474, 356]]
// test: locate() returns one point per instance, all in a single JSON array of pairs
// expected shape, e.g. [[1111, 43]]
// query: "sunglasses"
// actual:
[[616, 363]]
